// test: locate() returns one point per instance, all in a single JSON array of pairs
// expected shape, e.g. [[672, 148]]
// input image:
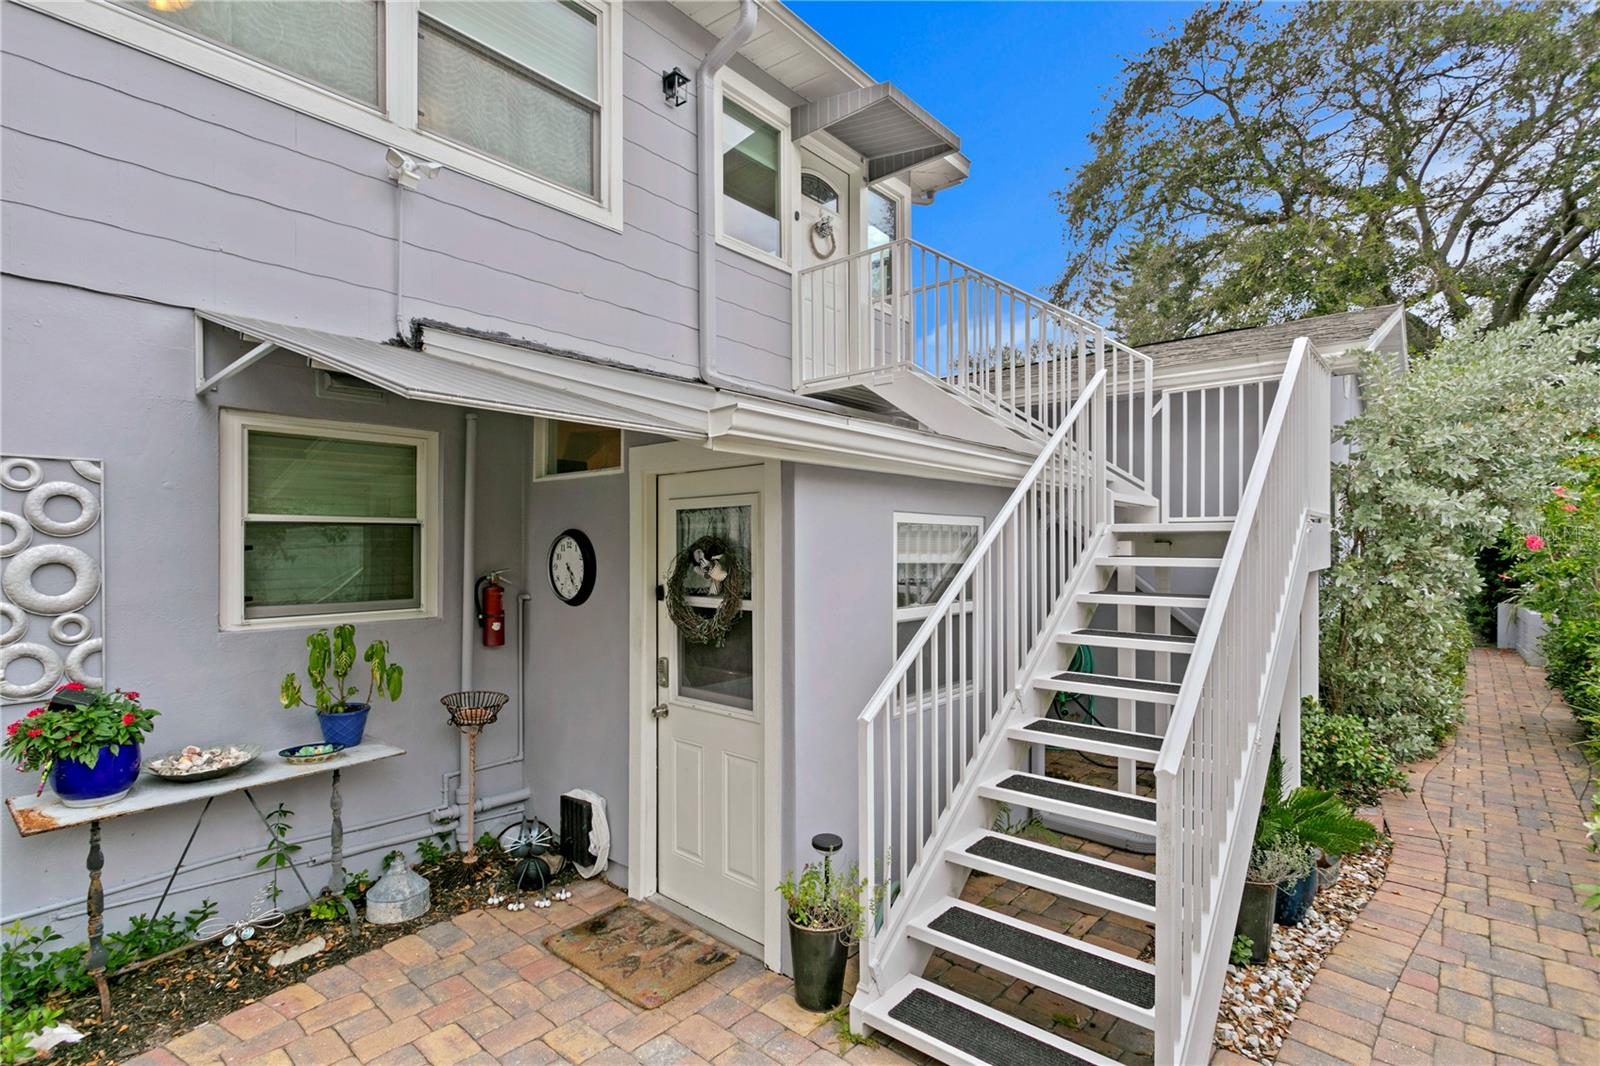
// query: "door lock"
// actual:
[[663, 677], [660, 711]]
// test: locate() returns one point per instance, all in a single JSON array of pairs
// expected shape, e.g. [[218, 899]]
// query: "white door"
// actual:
[[710, 776], [822, 234]]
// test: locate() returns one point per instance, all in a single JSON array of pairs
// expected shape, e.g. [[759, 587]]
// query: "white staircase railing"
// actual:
[[905, 305], [1207, 437], [1218, 738], [928, 722]]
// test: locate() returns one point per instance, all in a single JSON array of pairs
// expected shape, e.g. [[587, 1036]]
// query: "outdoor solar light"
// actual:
[[406, 170], [675, 86]]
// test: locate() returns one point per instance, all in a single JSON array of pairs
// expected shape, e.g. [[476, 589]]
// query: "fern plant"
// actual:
[[1312, 817], [336, 655]]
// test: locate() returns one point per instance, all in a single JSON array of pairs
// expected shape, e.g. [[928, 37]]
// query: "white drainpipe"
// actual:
[[706, 103], [469, 610]]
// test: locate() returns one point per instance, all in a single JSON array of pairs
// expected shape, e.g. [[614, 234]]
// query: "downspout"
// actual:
[[706, 102], [469, 618]]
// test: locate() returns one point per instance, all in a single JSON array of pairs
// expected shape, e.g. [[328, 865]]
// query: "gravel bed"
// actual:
[[1259, 1002]]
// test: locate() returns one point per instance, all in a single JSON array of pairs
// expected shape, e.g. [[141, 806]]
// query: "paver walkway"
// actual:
[[1477, 947], [481, 988]]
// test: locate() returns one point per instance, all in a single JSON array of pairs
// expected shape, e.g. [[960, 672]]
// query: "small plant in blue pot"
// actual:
[[85, 743], [1306, 819], [329, 660]]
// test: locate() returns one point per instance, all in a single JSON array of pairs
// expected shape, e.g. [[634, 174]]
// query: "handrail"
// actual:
[[1213, 743], [928, 721]]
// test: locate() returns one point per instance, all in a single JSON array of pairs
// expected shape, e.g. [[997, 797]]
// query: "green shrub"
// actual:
[[1339, 753]]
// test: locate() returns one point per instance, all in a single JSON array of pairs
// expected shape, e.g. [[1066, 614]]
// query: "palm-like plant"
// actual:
[[1310, 816]]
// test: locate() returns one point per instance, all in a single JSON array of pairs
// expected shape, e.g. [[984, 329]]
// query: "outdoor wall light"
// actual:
[[407, 171], [675, 86]]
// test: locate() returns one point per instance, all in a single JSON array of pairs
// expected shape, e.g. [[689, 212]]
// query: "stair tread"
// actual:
[[952, 1020], [1065, 866], [1101, 799], [1147, 594], [1136, 683], [1054, 727], [1172, 638], [1221, 525], [1054, 954], [1177, 562]]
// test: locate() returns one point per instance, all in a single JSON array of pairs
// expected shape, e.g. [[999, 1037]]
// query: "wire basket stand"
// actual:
[[470, 712]]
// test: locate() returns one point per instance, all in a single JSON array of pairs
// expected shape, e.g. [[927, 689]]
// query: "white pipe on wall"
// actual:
[[451, 813], [469, 610]]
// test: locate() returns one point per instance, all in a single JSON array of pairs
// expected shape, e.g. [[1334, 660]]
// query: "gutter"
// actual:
[[706, 131]]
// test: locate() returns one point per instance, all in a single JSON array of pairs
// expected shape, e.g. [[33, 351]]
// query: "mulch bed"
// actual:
[[169, 997], [1259, 1002]]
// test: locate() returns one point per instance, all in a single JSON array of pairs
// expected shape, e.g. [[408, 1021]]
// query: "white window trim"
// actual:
[[395, 122], [233, 426], [541, 453], [768, 108], [921, 612]]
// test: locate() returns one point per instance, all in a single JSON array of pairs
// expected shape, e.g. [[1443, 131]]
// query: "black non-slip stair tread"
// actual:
[[981, 1037], [1083, 796], [1149, 594], [1175, 638], [1063, 866], [1127, 983], [1077, 730], [1079, 677]]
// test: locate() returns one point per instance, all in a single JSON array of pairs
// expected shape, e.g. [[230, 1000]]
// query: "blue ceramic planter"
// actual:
[[108, 780], [345, 728], [1294, 899]]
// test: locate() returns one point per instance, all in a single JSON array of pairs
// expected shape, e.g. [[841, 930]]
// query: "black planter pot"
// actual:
[[1255, 917], [819, 958]]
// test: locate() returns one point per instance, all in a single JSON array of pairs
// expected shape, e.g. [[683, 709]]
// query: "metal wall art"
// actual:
[[57, 623]]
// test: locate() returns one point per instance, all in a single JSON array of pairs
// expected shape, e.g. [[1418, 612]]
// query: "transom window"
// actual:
[[572, 449], [324, 519], [814, 187]]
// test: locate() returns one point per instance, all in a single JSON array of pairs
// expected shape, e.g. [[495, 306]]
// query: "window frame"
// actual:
[[541, 452], [233, 513], [394, 121], [733, 86]]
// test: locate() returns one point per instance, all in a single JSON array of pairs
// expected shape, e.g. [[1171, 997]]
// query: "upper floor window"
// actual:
[[883, 227], [524, 94], [752, 179]]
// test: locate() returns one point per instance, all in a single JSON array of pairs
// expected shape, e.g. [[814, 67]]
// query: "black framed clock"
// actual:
[[572, 567]]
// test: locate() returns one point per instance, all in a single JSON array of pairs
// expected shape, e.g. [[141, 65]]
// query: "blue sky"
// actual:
[[1021, 84]]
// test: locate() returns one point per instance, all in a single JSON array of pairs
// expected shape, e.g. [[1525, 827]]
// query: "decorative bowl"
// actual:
[[195, 763], [302, 754]]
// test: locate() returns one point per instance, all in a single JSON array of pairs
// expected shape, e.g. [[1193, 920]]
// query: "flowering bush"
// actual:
[[1443, 458], [40, 738]]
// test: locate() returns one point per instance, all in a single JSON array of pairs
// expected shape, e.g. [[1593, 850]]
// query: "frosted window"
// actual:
[[750, 179], [519, 82], [334, 43]]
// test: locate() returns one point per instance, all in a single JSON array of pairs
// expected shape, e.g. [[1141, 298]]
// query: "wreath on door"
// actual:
[[716, 560]]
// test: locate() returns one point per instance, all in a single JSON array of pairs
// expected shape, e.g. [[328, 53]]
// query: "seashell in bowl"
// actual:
[[194, 763]]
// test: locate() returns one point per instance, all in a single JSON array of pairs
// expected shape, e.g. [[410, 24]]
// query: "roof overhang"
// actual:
[[889, 130], [467, 370], [1388, 339]]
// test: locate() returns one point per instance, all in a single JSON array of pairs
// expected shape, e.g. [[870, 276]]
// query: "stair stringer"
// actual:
[[934, 878], [953, 411], [1194, 1041]]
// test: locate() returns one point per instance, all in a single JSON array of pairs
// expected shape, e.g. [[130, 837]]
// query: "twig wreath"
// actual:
[[718, 562]]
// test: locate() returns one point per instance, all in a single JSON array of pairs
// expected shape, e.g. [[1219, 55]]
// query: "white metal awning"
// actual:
[[438, 376], [885, 125]]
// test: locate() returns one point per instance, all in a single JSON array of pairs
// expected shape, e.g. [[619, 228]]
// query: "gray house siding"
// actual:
[[98, 376], [128, 174]]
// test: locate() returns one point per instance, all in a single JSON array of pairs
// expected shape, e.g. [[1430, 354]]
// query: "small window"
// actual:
[[751, 179], [334, 43], [928, 550], [814, 187], [883, 227], [564, 449], [519, 82], [324, 520]]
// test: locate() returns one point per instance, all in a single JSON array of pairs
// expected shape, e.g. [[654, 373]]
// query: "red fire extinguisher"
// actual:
[[492, 610]]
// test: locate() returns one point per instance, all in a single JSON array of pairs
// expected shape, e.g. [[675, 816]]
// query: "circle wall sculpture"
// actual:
[[21, 534], [16, 624], [29, 478], [48, 661], [20, 589], [88, 513], [78, 657], [58, 628]]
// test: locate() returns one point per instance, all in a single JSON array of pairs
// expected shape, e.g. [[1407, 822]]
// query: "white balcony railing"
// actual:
[[904, 305]]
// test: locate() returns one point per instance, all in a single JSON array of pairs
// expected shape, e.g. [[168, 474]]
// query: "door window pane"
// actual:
[[722, 674], [292, 474], [331, 42], [317, 567], [516, 81], [750, 179], [883, 222]]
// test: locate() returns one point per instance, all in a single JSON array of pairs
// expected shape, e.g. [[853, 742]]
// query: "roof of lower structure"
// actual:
[[1380, 328]]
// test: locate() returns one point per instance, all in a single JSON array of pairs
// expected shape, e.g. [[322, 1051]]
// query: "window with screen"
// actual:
[[326, 519], [752, 173]]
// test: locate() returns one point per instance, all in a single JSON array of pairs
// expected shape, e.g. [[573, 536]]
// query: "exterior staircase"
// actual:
[[1118, 675]]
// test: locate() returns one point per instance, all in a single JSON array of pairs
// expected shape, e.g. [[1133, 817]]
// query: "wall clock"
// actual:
[[572, 568]]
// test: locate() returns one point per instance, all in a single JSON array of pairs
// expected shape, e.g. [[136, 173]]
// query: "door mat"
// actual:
[[644, 959]]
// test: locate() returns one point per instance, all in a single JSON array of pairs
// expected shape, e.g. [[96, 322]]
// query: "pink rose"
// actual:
[[1561, 490], [1569, 507], [1533, 542]]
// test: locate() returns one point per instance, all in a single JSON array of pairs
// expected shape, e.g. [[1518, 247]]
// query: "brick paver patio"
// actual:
[[1477, 948], [481, 988]]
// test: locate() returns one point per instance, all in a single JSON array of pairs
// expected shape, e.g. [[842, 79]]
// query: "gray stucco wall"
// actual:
[[125, 173], [97, 376]]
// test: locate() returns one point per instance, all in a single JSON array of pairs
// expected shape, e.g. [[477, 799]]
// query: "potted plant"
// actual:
[[1313, 819], [86, 743], [825, 918], [342, 718], [1271, 863]]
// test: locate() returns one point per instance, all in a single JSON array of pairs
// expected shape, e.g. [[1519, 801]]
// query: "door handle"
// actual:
[[660, 711]]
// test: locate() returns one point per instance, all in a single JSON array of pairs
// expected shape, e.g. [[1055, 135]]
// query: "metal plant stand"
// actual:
[[34, 815], [470, 712]]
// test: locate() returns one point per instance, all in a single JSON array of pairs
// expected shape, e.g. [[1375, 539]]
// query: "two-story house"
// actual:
[[324, 311]]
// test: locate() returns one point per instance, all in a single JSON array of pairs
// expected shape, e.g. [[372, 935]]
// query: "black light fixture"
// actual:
[[675, 86]]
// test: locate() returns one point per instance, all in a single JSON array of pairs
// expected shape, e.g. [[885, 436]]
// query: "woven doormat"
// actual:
[[644, 959]]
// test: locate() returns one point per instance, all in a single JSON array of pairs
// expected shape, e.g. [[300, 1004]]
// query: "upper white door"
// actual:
[[823, 228], [710, 772]]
